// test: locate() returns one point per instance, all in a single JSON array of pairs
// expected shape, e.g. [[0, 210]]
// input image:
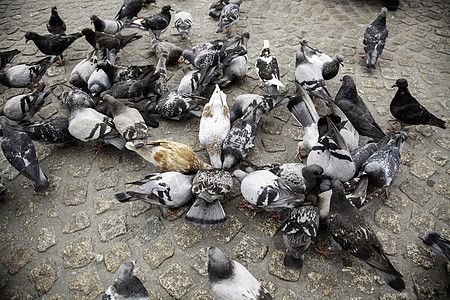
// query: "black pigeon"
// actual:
[[268, 70], [129, 9], [331, 68], [127, 286], [351, 104], [23, 107], [173, 105], [123, 73], [6, 57], [107, 26], [374, 39], [56, 25], [349, 229], [438, 244], [26, 75], [20, 152], [52, 44], [157, 22], [142, 86], [229, 280], [408, 111], [52, 131], [299, 228]]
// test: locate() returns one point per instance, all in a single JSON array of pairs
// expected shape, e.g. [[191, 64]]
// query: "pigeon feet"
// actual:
[[173, 212], [277, 215], [60, 63], [97, 148], [244, 204], [322, 251], [299, 155]]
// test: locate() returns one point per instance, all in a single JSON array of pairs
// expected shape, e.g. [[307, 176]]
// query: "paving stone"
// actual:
[[16, 259], [422, 170], [361, 280], [44, 275], [443, 143], [46, 239], [146, 230], [421, 222], [389, 243], [78, 254], [187, 235], [29, 224], [423, 288], [226, 232], [277, 268], [17, 293], [24, 206], [108, 159], [385, 218], [321, 282], [137, 208], [202, 294], [438, 157], [79, 170], [76, 222], [102, 203], [273, 145], [420, 196], [442, 211], [175, 281], [158, 251], [133, 163], [112, 227], [250, 250], [442, 187], [272, 126], [75, 192], [87, 285], [270, 226], [291, 295], [396, 201], [6, 239], [396, 296], [420, 256], [116, 256], [109, 179]]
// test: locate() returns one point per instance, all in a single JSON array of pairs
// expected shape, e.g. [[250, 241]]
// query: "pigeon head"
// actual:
[[219, 266], [339, 58], [381, 19], [93, 18], [401, 83], [166, 9], [348, 87], [54, 11], [30, 36], [299, 58], [266, 48], [87, 32], [126, 269], [3, 120]]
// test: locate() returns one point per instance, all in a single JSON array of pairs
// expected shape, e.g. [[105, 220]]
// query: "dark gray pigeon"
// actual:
[[156, 22], [438, 244], [300, 227], [351, 231], [23, 107], [209, 188], [229, 280], [129, 9], [268, 70], [56, 25], [20, 152], [168, 190], [408, 111], [52, 44], [228, 17], [173, 105], [133, 88], [127, 286], [351, 104], [6, 57], [123, 73], [375, 39], [51, 131], [26, 75], [107, 26], [331, 68]]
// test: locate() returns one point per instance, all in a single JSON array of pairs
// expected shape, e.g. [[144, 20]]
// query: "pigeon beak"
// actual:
[[180, 60], [342, 64], [395, 85], [26, 41]]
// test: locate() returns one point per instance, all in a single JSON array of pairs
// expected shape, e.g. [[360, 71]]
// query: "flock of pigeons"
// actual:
[[351, 160]]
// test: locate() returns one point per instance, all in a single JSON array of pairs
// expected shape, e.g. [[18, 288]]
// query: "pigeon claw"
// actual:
[[299, 155], [97, 148], [173, 212], [277, 215], [244, 204], [322, 251], [60, 63]]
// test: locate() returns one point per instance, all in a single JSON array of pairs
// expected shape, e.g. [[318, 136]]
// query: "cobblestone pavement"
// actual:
[[70, 242]]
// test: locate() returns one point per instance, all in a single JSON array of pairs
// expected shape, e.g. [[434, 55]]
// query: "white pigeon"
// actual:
[[229, 280], [267, 69], [183, 22], [214, 126]]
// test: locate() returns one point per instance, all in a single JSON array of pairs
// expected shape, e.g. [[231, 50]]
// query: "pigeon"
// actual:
[[264, 189], [123, 73], [268, 71], [408, 111], [209, 188], [52, 44], [215, 8], [228, 17], [26, 75], [133, 88], [214, 126], [229, 280], [23, 107], [361, 154], [236, 70], [173, 105], [299, 177], [245, 102], [375, 39], [20, 152], [351, 231], [129, 9], [351, 104], [6, 57], [146, 3], [56, 25], [300, 227], [239, 141], [171, 156], [332, 154], [98, 82], [438, 244], [82, 71], [321, 61], [391, 4], [50, 131], [167, 190], [331, 69], [127, 286], [161, 47], [128, 121], [107, 26], [76, 97], [156, 22], [190, 83], [183, 23]]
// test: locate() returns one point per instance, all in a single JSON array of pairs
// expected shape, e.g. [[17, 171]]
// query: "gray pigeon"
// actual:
[[82, 71], [98, 82], [438, 244], [173, 105], [229, 280], [20, 152], [55, 24], [375, 39], [118, 73], [107, 26], [129, 9], [349, 229], [26, 75], [245, 102], [183, 22], [209, 188], [331, 68], [127, 286], [228, 17], [168, 190], [51, 131], [156, 22]]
